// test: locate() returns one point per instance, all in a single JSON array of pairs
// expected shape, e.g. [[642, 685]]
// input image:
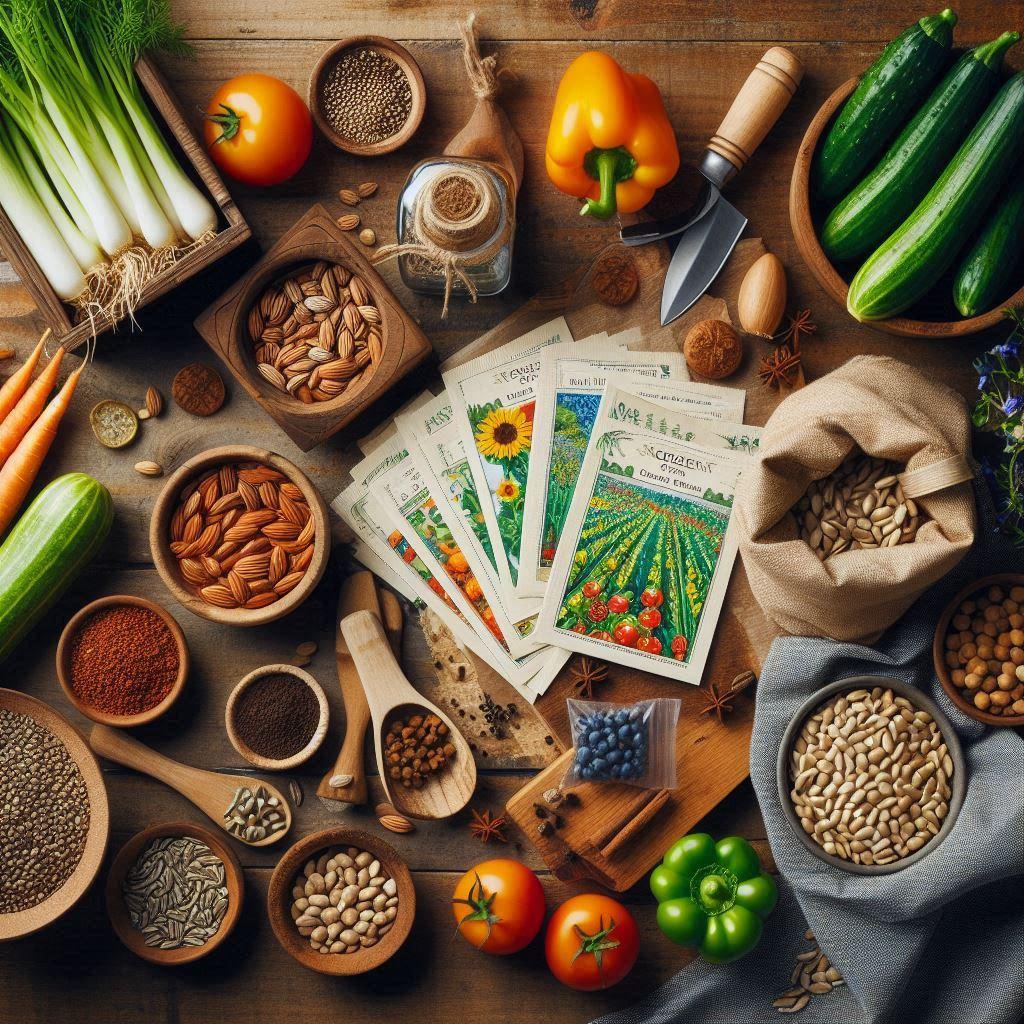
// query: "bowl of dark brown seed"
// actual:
[[54, 818], [367, 95], [871, 774]]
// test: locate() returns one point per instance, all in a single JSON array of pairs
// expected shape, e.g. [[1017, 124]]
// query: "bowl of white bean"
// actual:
[[341, 901], [871, 774]]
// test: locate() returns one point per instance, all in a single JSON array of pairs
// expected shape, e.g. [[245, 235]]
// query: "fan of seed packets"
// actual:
[[439, 505]]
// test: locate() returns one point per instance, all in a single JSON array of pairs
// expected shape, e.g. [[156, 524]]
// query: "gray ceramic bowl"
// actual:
[[919, 700]]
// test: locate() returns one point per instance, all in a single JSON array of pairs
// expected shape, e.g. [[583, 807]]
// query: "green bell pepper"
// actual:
[[713, 896]]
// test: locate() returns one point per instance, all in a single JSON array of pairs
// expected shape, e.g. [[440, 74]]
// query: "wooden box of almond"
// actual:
[[313, 332]]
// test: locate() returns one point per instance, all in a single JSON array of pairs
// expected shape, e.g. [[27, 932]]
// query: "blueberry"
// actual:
[[601, 748], [635, 714], [587, 773], [620, 717], [625, 732], [583, 754], [599, 764], [614, 757], [627, 755], [594, 738]]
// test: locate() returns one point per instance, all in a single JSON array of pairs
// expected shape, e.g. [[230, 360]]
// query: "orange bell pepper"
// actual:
[[610, 140]]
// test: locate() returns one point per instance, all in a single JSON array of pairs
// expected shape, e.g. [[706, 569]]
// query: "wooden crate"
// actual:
[[233, 231]]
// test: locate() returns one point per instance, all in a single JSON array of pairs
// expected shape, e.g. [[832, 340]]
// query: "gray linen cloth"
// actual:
[[940, 942]]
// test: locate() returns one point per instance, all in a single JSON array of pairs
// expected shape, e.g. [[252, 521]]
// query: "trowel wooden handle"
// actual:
[[765, 95]]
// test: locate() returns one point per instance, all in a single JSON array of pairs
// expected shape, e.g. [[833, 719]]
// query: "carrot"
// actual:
[[24, 414], [14, 386], [19, 471]]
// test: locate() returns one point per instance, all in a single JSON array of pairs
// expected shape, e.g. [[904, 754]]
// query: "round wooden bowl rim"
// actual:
[[64, 653], [277, 269], [118, 913], [259, 760], [809, 245], [279, 899], [166, 564], [417, 88], [921, 701], [24, 922], [1012, 579]]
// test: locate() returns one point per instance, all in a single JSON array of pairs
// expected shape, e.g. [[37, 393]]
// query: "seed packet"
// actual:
[[645, 558], [431, 432], [630, 743], [493, 400], [570, 386]]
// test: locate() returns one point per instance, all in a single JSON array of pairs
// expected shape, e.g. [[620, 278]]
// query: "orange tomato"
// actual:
[[472, 588], [592, 942], [499, 905], [457, 562], [258, 130]]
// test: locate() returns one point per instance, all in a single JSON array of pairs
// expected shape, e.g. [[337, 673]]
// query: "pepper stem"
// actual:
[[230, 121], [714, 891], [608, 167]]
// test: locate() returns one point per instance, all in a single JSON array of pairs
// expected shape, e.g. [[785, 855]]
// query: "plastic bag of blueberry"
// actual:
[[631, 743]]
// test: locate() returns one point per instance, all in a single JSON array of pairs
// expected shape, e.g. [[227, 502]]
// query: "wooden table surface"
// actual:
[[699, 53]]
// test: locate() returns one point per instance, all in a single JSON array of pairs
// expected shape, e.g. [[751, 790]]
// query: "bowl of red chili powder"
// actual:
[[276, 717], [122, 660]]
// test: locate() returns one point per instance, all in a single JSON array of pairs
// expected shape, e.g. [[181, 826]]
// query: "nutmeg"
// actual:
[[713, 349]]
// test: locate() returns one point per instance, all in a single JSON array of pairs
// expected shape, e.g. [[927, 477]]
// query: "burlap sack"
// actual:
[[891, 411]]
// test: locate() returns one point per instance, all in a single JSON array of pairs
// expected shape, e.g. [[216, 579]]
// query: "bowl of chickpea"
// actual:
[[979, 650]]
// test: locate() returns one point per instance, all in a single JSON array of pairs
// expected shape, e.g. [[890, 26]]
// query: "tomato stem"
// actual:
[[480, 904], [595, 944], [230, 122]]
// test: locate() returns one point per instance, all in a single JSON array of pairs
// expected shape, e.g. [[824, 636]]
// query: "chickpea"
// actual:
[[1000, 699], [1017, 637], [995, 593], [1017, 621], [1018, 707], [1017, 693], [1017, 594], [1010, 606], [961, 622], [952, 659], [1017, 655], [989, 684], [1001, 651], [972, 681], [968, 607], [953, 642], [958, 675], [1005, 682], [991, 614], [982, 701], [1009, 669], [968, 650], [977, 625], [982, 603], [1020, 673], [990, 629]]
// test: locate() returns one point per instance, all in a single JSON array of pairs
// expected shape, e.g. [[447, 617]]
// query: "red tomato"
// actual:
[[679, 646], [591, 589], [409, 555], [597, 612], [592, 942], [548, 554], [626, 634], [618, 604], [579, 628], [651, 598], [600, 634], [649, 618], [650, 644], [258, 130], [499, 905]]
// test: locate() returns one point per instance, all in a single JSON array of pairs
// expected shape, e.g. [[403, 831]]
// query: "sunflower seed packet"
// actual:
[[644, 561], [493, 399], [570, 387]]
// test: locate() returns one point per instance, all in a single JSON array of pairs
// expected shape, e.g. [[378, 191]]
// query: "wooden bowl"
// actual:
[[953, 692], [919, 700], [315, 740], [805, 233], [127, 856], [224, 327], [279, 901], [64, 660], [167, 564], [404, 59], [24, 922]]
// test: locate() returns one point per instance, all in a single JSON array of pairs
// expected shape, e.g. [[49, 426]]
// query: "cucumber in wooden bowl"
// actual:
[[886, 96], [910, 261], [58, 535], [986, 273], [883, 200]]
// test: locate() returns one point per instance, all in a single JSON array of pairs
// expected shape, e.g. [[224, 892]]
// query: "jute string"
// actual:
[[441, 241]]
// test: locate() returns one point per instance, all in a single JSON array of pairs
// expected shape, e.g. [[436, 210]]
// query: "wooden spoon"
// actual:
[[389, 695], [212, 792], [358, 591]]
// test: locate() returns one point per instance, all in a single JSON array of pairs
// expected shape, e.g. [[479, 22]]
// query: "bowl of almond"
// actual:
[[240, 535]]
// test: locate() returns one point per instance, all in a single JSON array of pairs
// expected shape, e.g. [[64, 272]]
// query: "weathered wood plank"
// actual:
[[703, 20]]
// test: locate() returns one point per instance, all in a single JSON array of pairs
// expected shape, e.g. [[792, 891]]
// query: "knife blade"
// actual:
[[700, 255]]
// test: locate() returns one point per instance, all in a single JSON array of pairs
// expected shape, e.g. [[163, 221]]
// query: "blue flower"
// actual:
[[1013, 404], [983, 364], [982, 381], [1008, 350]]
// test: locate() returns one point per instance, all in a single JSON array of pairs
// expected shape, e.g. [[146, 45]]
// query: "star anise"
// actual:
[[782, 366], [486, 827], [797, 327], [586, 674], [719, 702]]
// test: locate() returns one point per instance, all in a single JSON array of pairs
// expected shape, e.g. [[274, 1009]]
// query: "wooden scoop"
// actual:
[[212, 792], [389, 695], [359, 591]]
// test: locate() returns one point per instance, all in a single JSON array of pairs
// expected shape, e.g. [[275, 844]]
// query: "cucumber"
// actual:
[[888, 92], [985, 274], [880, 203], [909, 262], [55, 539]]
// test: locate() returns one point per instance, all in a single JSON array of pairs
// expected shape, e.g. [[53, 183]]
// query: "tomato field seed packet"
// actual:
[[431, 431], [570, 387], [493, 400], [644, 561]]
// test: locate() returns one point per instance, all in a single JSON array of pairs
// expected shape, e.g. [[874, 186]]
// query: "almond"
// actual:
[[219, 595], [262, 600], [288, 583], [396, 823], [281, 531], [154, 401], [238, 587], [348, 221], [252, 567], [149, 468], [366, 189], [348, 197], [250, 495], [278, 564]]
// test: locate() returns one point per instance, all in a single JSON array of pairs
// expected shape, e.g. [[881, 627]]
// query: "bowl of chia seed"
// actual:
[[54, 819], [367, 95]]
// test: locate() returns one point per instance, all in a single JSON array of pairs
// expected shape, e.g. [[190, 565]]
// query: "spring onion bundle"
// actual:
[[86, 176]]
